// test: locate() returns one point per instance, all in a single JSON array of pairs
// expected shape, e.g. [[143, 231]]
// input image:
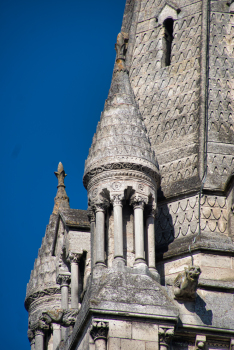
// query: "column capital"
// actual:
[[116, 199], [91, 214], [165, 334], [39, 331], [31, 336], [138, 201], [64, 279], [100, 204], [99, 330], [74, 257]]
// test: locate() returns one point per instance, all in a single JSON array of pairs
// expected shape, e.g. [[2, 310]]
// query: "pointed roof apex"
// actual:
[[121, 137], [61, 200]]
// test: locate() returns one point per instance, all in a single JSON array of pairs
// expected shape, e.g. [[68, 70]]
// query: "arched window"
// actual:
[[168, 38]]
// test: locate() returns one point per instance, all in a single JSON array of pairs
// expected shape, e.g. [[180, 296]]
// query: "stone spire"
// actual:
[[61, 200], [121, 139]]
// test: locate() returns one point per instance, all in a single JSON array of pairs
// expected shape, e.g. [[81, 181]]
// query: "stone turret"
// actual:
[[122, 170]]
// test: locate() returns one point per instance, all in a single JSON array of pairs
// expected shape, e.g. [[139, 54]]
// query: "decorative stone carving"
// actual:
[[116, 199], [200, 342], [185, 284], [64, 279], [74, 257], [99, 330], [121, 46], [63, 317], [91, 215], [31, 335], [138, 201], [165, 334]]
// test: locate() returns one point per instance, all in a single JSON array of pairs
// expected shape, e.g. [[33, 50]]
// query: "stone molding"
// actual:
[[99, 330], [40, 294], [64, 279], [39, 332], [121, 166], [165, 335], [121, 174]]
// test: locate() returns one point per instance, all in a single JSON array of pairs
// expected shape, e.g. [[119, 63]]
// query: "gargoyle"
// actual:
[[185, 284]]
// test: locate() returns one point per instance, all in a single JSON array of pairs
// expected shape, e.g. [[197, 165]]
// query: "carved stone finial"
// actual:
[[61, 200], [121, 49], [99, 330], [165, 334], [185, 284]]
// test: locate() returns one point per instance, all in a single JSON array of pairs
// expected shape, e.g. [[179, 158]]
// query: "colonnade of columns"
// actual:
[[139, 205]]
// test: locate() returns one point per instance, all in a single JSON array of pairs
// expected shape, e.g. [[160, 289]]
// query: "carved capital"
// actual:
[[99, 330], [200, 342], [91, 214], [151, 210], [39, 331], [31, 335], [165, 334], [64, 279], [138, 201], [99, 204], [74, 257], [116, 199]]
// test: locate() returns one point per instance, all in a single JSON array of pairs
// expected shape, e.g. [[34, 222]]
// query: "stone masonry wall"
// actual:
[[169, 97], [221, 94]]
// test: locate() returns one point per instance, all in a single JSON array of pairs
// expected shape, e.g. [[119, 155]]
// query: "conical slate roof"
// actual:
[[121, 139]]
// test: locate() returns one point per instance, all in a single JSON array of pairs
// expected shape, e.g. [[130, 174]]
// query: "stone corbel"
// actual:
[[62, 317], [200, 342], [165, 335]]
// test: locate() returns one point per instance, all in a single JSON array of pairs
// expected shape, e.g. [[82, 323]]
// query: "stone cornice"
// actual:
[[145, 169], [40, 294]]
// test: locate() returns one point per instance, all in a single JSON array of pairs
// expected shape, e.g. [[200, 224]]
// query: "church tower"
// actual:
[[150, 264]]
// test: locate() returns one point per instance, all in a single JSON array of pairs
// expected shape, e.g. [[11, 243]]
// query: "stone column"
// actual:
[[91, 216], [99, 334], [56, 335], [100, 235], [165, 336], [39, 339], [31, 338], [64, 280], [118, 228], [74, 259], [151, 239], [138, 206]]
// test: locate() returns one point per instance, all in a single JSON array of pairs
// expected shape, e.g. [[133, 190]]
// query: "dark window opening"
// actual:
[[168, 38]]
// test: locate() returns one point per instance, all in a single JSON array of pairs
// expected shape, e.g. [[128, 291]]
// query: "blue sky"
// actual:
[[56, 65]]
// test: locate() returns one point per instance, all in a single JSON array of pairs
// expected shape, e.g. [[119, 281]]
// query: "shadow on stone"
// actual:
[[206, 316]]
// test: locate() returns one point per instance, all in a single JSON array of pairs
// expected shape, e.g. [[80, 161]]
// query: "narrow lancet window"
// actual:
[[168, 38]]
